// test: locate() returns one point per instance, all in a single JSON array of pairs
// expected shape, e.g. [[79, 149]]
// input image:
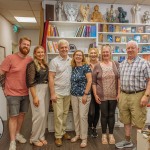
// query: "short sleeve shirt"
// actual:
[[15, 81], [62, 68], [79, 80]]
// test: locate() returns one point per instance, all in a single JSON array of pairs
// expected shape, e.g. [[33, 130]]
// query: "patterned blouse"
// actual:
[[79, 80]]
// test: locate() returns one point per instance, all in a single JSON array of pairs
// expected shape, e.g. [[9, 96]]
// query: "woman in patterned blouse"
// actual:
[[81, 80], [105, 89]]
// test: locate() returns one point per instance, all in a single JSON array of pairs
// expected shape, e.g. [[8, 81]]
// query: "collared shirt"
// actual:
[[134, 75], [62, 68]]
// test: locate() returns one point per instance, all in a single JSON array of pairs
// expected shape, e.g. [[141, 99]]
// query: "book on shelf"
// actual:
[[133, 29], [144, 38], [100, 27], [117, 28], [52, 46], [109, 38], [100, 37], [129, 38], [115, 58], [117, 39], [140, 29], [93, 31], [146, 57], [121, 59], [128, 29], [137, 38], [147, 29], [124, 29], [111, 28], [123, 39], [52, 31], [145, 49]]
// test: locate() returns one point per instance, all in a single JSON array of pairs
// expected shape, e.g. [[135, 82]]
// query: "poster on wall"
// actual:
[[2, 53]]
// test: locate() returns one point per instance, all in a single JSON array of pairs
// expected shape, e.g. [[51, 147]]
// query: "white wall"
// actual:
[[7, 37]]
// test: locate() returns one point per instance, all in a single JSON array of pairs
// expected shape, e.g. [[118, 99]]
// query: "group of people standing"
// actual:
[[93, 88]]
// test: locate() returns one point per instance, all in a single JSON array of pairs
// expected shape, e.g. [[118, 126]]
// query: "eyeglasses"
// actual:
[[78, 55]]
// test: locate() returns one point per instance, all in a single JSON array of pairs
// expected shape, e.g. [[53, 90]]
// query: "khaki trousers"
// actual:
[[61, 108], [80, 115], [39, 114]]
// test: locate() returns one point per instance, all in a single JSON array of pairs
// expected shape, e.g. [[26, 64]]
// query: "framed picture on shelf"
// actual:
[[140, 29], [123, 39], [133, 29], [128, 29], [137, 38], [144, 38], [124, 29], [109, 38], [117, 39], [129, 38], [147, 29]]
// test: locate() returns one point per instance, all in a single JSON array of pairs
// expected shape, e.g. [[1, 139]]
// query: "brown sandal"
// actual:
[[104, 139], [74, 139], [44, 142], [38, 143], [111, 139], [83, 143]]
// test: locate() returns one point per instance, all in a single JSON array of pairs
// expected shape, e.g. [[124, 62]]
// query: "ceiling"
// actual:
[[31, 8]]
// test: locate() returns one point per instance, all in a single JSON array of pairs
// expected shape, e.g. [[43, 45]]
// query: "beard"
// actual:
[[24, 50]]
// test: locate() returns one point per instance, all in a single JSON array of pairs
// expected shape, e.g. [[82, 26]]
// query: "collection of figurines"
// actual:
[[71, 11]]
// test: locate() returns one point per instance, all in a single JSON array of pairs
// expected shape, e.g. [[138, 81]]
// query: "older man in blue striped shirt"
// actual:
[[135, 92]]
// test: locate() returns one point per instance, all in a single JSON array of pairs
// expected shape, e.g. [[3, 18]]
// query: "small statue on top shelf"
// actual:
[[59, 8], [146, 17], [71, 11], [122, 15], [96, 15], [136, 14], [85, 12], [111, 17]]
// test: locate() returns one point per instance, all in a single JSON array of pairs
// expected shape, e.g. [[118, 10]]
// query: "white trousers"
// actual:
[[40, 113], [80, 115]]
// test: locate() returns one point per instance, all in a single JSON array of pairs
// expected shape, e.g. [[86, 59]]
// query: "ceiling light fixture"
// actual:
[[25, 19]]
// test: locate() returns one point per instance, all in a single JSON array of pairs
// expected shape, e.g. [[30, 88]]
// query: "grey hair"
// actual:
[[62, 41], [134, 42]]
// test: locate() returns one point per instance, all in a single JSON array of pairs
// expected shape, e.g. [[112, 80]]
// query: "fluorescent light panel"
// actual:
[[25, 19]]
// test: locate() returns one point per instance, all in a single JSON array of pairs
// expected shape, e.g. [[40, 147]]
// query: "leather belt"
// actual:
[[132, 92]]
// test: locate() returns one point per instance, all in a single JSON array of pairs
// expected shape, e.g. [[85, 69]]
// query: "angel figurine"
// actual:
[[59, 9], [85, 12], [146, 17], [71, 11], [136, 14]]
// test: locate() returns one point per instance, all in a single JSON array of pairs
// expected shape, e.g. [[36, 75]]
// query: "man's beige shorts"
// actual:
[[130, 110]]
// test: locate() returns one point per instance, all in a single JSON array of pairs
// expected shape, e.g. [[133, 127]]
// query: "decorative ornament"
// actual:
[[146, 17], [136, 14], [71, 11], [122, 15], [59, 9], [111, 17], [85, 12], [96, 15]]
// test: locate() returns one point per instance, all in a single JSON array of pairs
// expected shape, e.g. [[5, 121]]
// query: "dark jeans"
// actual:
[[93, 115], [108, 115]]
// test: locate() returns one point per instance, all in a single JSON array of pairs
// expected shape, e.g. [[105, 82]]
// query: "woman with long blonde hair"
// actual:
[[37, 82]]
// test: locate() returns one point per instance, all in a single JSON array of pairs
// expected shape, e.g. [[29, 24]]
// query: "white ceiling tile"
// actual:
[[22, 13], [36, 13], [36, 5], [16, 5]]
